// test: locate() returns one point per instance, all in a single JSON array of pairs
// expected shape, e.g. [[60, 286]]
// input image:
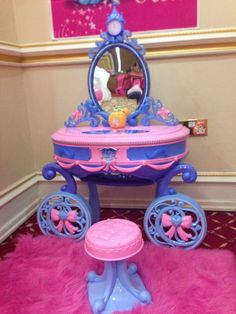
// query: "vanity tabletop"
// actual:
[[138, 135]]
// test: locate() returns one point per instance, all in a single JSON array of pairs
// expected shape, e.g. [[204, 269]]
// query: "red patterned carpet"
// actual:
[[221, 228]]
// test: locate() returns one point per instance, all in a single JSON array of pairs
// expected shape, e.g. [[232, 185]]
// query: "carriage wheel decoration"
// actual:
[[176, 221], [65, 215]]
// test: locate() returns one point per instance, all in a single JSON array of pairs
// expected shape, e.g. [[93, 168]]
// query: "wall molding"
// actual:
[[23, 184], [17, 188], [158, 45], [18, 203], [20, 216], [212, 205]]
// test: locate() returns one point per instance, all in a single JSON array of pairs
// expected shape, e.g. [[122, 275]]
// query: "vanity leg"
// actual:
[[156, 189], [94, 202]]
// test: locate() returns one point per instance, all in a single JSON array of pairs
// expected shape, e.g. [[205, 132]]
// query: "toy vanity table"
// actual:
[[137, 141]]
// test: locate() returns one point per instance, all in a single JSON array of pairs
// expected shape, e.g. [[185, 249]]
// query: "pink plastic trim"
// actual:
[[69, 165], [72, 216], [154, 134], [114, 167], [113, 240], [163, 166], [186, 223], [65, 165], [93, 169], [144, 163], [123, 167]]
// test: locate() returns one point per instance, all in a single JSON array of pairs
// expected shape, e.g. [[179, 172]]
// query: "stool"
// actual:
[[120, 287]]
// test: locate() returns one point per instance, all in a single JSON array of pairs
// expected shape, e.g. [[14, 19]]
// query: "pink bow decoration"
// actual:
[[71, 217], [163, 112], [76, 115], [186, 223]]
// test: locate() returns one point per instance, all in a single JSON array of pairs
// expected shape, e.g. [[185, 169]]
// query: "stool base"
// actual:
[[119, 288]]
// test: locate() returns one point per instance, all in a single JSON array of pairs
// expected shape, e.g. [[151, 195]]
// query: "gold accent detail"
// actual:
[[43, 59], [166, 52], [9, 58], [216, 174], [73, 57], [45, 56], [137, 35], [6, 43], [106, 62], [191, 49], [154, 35]]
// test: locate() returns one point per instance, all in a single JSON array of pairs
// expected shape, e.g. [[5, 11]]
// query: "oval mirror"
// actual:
[[118, 78]]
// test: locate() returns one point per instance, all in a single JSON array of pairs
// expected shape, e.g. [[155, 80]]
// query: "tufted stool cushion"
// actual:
[[113, 240], [119, 287]]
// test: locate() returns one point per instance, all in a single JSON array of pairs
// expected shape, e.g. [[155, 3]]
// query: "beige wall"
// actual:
[[7, 21], [217, 13], [52, 94], [16, 155], [202, 87], [33, 21], [37, 100]]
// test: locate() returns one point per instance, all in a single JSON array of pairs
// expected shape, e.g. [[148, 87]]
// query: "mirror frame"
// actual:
[[141, 60], [148, 108]]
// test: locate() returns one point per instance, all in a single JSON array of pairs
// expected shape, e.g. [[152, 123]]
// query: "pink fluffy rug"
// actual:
[[47, 275]]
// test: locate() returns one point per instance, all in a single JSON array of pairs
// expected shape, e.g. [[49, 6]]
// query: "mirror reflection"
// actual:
[[118, 80]]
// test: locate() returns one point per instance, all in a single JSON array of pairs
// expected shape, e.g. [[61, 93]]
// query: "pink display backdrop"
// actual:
[[71, 19]]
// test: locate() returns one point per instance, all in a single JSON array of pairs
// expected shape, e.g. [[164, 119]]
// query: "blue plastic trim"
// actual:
[[64, 203], [87, 2], [123, 131], [177, 207], [119, 288], [151, 110], [87, 111], [189, 175], [153, 152], [122, 37], [94, 202], [49, 172], [72, 152]]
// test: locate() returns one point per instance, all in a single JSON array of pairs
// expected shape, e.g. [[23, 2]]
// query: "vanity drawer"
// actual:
[[156, 152], [72, 152]]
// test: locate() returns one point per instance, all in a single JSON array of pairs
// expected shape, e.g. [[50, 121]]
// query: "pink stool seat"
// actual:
[[113, 240]]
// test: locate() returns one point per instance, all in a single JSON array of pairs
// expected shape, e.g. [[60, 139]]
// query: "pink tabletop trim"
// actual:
[[154, 134]]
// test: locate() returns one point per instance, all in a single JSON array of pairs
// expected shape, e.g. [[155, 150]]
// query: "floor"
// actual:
[[221, 228]]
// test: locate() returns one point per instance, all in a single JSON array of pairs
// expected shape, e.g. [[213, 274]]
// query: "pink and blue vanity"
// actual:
[[149, 149], [119, 137]]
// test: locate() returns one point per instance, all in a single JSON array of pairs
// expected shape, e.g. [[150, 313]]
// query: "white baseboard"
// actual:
[[20, 201], [16, 221], [17, 188], [142, 204], [18, 209], [212, 195]]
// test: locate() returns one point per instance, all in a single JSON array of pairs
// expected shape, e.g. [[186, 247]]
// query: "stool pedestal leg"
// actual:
[[118, 288]]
